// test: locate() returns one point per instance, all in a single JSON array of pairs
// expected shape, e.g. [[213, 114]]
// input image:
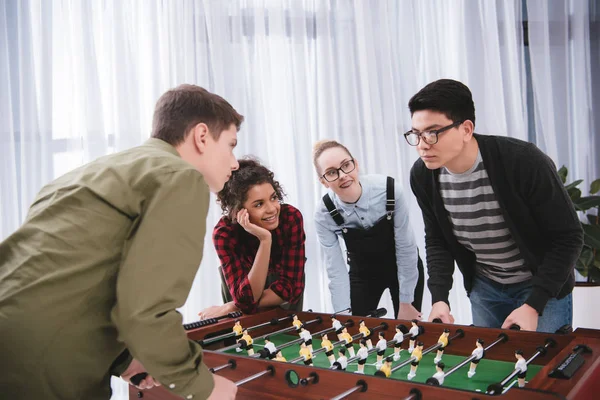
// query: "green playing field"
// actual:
[[488, 371]]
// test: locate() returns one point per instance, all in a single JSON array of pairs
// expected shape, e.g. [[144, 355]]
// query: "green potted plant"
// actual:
[[588, 264]]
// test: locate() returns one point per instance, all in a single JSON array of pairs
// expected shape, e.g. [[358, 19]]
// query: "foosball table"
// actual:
[[279, 355]]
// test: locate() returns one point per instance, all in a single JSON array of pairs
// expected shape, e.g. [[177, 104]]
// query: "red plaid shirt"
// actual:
[[237, 249]]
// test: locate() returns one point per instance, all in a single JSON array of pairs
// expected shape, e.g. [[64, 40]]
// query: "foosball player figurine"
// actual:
[[280, 357], [296, 322], [414, 329], [443, 340], [237, 329], [348, 339], [306, 353], [381, 348], [270, 347], [342, 361], [417, 353], [439, 374], [478, 353], [326, 344], [386, 368], [398, 338], [521, 366], [362, 354], [337, 325], [307, 337], [366, 333], [246, 342]]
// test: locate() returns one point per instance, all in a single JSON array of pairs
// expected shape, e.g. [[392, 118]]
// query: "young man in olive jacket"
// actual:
[[495, 206], [90, 283]]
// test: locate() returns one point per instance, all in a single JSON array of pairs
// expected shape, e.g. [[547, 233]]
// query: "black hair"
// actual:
[[449, 97]]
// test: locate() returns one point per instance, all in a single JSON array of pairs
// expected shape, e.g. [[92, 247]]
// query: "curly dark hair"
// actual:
[[235, 192]]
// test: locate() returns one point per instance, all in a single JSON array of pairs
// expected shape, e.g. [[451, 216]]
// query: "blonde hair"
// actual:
[[326, 144]]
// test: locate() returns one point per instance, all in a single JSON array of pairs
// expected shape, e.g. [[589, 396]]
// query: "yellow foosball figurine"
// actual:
[[443, 340], [280, 357], [296, 322], [237, 329], [366, 333], [386, 368], [348, 339], [246, 342], [417, 353], [328, 346], [306, 353]]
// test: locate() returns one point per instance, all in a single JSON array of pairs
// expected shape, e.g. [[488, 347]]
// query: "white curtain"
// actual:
[[559, 37], [79, 79]]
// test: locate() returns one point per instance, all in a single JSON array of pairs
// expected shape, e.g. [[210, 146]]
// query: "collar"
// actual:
[[162, 145], [361, 205]]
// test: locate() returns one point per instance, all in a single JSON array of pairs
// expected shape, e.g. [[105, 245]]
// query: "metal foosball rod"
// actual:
[[414, 394], [284, 330], [274, 321], [459, 333], [383, 326], [210, 321], [270, 370], [335, 344], [361, 386], [497, 388], [348, 324], [503, 337], [230, 364]]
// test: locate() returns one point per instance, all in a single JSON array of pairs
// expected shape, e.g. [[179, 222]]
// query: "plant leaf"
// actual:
[[573, 184], [586, 257], [562, 172], [595, 186], [585, 203], [574, 193], [591, 236]]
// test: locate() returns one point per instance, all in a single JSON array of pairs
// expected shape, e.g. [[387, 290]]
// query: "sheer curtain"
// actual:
[[79, 79]]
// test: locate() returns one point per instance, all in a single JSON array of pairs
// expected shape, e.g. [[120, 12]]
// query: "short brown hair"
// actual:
[[180, 109], [322, 145]]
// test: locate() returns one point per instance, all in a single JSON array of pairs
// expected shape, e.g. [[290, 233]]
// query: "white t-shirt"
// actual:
[[440, 376], [337, 325], [271, 347], [478, 353], [399, 337], [382, 345], [305, 335], [343, 360], [363, 353], [414, 330], [521, 365]]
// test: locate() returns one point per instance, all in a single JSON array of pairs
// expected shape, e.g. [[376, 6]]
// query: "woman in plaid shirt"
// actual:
[[260, 243]]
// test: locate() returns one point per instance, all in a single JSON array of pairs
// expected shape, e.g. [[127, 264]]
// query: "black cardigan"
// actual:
[[537, 210]]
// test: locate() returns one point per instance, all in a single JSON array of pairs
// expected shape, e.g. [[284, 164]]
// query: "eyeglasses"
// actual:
[[334, 174], [430, 137]]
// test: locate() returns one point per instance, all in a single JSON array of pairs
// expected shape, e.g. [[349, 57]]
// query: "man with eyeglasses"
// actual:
[[495, 206]]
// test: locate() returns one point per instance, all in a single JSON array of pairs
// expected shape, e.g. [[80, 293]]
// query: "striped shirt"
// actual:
[[479, 225]]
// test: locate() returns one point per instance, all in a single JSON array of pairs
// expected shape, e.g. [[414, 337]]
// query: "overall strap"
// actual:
[[390, 203], [337, 217]]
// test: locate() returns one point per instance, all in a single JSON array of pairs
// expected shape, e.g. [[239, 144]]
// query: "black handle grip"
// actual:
[[138, 378], [515, 327]]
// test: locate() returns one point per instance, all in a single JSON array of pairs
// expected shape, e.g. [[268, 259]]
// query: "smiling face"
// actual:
[[263, 206], [347, 186]]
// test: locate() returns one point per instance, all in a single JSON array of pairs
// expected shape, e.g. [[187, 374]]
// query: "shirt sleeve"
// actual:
[[339, 281], [235, 269], [406, 249], [160, 260], [290, 284], [440, 262]]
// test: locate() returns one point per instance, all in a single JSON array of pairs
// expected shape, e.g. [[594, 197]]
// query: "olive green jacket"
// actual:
[[106, 255]]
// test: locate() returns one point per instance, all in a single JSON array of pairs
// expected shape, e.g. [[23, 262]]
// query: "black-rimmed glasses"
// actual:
[[430, 137], [334, 174]]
